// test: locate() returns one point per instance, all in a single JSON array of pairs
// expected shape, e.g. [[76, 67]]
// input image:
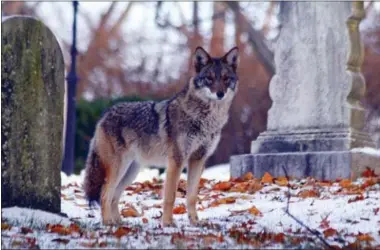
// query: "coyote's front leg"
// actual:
[[173, 173], [195, 170]]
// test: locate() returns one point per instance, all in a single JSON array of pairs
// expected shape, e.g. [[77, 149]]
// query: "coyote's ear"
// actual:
[[232, 58], [201, 59]]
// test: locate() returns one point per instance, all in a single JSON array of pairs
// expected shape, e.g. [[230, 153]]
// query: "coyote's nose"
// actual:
[[220, 95]]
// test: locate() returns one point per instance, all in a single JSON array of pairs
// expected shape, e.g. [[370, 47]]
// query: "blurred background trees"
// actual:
[[143, 50]]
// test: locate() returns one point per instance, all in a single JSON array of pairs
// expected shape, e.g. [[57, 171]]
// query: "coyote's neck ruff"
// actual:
[[182, 131]]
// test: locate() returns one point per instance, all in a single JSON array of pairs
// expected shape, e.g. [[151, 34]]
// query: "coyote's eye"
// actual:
[[209, 80]]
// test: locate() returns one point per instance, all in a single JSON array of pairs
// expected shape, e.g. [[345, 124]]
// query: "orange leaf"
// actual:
[[227, 200], [5, 226], [357, 198], [281, 181], [369, 173], [239, 187], [308, 193], [248, 176], [202, 182], [279, 238], [324, 183], [346, 183], [329, 232], [267, 178], [181, 209], [254, 187], [59, 229], [370, 182], [74, 228], [129, 212], [121, 231], [223, 186], [365, 237], [254, 211]]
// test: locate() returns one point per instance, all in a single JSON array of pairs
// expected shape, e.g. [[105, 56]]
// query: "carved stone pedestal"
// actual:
[[316, 118]]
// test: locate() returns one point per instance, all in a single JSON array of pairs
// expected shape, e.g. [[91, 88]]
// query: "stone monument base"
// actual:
[[329, 165]]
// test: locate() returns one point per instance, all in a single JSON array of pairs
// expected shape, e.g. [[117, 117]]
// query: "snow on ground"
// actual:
[[234, 213], [367, 150]]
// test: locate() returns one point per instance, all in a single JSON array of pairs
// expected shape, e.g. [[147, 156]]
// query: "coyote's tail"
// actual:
[[94, 175]]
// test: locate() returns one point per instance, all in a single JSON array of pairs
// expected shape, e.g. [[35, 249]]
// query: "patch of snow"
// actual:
[[367, 150], [218, 172], [32, 217], [147, 174]]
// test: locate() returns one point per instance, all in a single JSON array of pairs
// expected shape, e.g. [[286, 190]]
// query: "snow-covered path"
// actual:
[[243, 213]]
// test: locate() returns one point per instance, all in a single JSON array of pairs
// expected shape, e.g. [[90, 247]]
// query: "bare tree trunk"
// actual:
[[218, 29], [256, 39]]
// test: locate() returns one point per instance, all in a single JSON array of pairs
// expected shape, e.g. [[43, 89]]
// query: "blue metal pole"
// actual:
[[69, 152]]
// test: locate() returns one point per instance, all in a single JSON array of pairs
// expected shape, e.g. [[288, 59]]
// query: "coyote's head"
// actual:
[[216, 77]]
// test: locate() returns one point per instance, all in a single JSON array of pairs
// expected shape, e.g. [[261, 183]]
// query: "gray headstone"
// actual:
[[316, 95], [32, 92]]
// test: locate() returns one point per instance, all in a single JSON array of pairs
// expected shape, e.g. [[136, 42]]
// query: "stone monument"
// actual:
[[32, 91], [316, 120]]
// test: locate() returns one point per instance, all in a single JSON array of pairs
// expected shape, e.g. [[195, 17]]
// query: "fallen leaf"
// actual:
[[279, 238], [368, 183], [365, 237], [240, 187], [346, 183], [25, 230], [202, 182], [357, 198], [267, 178], [227, 200], [129, 212], [281, 181], [309, 193], [324, 183], [254, 187], [254, 211], [59, 229], [121, 231], [369, 173], [103, 244], [329, 232], [74, 228], [248, 176], [181, 209], [223, 186], [5, 226]]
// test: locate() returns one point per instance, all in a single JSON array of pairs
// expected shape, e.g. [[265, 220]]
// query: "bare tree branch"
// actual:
[[268, 17], [314, 232], [122, 17], [256, 38]]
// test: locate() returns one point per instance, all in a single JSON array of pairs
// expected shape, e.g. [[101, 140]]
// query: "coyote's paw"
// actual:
[[193, 218], [168, 223], [112, 221]]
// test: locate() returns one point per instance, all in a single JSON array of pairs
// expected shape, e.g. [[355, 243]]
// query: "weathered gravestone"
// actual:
[[32, 91], [315, 124]]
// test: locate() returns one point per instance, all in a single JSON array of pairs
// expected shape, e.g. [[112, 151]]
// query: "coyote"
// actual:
[[182, 131]]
